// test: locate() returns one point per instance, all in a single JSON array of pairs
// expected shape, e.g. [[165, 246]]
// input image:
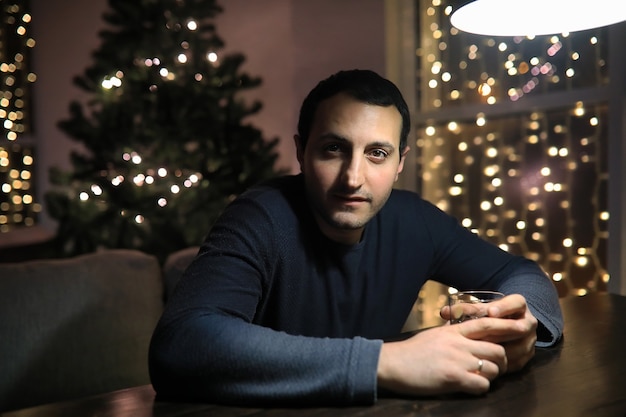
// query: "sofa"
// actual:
[[76, 327]]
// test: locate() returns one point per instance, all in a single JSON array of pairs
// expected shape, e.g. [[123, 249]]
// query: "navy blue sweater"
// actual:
[[273, 312]]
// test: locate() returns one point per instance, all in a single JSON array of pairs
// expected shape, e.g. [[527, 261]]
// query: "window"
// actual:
[[17, 159], [512, 138]]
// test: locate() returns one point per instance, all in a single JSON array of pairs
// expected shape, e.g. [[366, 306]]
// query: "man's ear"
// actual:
[[299, 149], [402, 159], [404, 152]]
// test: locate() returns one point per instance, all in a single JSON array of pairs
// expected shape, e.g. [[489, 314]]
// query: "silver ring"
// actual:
[[480, 366]]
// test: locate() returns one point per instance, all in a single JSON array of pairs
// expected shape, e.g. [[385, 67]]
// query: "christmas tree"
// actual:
[[167, 145]]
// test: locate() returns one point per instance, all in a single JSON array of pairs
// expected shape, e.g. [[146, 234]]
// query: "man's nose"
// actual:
[[353, 174]]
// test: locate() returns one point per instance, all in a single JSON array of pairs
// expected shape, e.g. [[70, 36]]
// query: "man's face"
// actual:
[[350, 163]]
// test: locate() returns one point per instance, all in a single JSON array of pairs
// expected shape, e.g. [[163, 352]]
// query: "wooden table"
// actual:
[[585, 375]]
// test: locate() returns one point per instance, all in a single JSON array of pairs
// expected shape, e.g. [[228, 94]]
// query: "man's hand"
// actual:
[[441, 360], [447, 359], [520, 342], [519, 338]]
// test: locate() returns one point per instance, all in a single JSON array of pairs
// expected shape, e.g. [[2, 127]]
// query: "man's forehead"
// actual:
[[342, 110]]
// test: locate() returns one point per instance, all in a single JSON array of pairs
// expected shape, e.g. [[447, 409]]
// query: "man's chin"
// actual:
[[347, 221]]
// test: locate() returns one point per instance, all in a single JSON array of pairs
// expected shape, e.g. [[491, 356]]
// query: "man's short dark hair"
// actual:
[[363, 85]]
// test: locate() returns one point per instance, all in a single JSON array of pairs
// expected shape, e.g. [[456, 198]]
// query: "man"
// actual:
[[302, 279]]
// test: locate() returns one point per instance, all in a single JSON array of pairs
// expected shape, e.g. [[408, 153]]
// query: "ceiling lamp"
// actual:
[[536, 17]]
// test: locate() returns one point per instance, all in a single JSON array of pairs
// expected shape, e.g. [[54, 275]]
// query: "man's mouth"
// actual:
[[351, 199]]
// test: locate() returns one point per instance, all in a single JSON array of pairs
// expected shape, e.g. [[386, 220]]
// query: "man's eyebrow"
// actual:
[[339, 138], [382, 144], [333, 136]]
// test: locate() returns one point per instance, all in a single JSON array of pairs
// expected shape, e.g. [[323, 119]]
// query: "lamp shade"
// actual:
[[536, 17]]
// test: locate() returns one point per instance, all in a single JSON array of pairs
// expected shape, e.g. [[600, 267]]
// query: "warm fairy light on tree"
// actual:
[[166, 133]]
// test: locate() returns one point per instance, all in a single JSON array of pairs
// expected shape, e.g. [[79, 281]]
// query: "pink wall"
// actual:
[[290, 44]]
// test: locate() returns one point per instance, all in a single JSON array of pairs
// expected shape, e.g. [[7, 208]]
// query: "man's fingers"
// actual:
[[519, 353], [492, 329], [513, 305], [480, 374], [475, 384], [489, 369], [444, 313]]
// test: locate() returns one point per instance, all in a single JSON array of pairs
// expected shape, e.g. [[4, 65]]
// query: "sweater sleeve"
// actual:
[[465, 261], [216, 358], [209, 347], [530, 281]]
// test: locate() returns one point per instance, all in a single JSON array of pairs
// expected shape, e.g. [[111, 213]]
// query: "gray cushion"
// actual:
[[76, 327]]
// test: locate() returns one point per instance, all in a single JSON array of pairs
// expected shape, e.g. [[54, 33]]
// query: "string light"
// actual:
[[17, 204], [536, 181]]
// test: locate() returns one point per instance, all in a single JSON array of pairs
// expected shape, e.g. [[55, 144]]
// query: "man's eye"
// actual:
[[332, 148], [379, 154]]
